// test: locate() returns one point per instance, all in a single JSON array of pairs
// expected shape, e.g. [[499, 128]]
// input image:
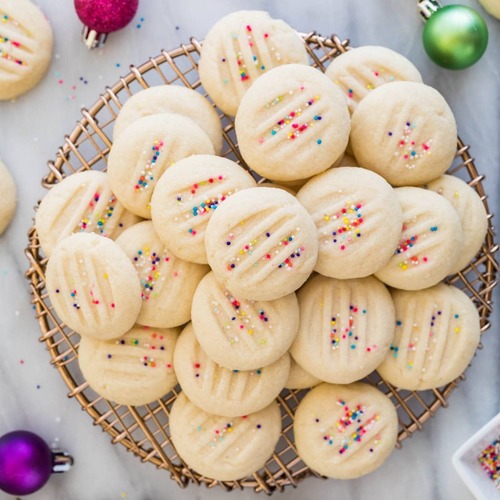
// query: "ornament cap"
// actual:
[[427, 8], [92, 39], [62, 461]]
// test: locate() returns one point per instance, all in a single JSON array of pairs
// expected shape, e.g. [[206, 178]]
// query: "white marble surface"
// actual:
[[33, 127]]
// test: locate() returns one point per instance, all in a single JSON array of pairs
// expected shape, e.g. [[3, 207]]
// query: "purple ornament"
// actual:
[[101, 17], [26, 462]]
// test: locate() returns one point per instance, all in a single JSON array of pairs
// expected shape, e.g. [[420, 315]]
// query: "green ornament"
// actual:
[[455, 37]]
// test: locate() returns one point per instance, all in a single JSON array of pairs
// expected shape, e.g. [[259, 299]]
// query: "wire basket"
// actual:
[[144, 430]]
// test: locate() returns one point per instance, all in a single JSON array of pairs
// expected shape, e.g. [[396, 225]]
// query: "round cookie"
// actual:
[[242, 334], [406, 132], [430, 243], [269, 184], [437, 333], [224, 448], [345, 432], [261, 244], [346, 328], [7, 197], [93, 286], [25, 47], [187, 195], [218, 390], [144, 151], [135, 369], [293, 123], [82, 202], [167, 283], [360, 70], [358, 220], [171, 99], [347, 161], [239, 48], [471, 211], [292, 185], [492, 7], [299, 378]]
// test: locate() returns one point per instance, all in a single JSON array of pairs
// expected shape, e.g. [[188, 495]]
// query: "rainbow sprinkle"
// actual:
[[74, 297], [146, 360], [489, 459], [406, 246], [148, 264], [347, 333], [346, 224], [100, 219], [407, 147], [207, 205], [249, 247], [241, 319], [291, 119], [430, 331], [147, 173], [6, 52], [219, 433], [350, 417], [240, 60]]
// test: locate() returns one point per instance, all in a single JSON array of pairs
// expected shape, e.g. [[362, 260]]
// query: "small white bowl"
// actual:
[[465, 460]]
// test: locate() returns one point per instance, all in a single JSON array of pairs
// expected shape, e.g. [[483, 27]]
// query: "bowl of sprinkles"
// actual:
[[144, 430], [477, 461]]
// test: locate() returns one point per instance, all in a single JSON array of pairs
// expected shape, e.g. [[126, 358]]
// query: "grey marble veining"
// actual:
[[34, 126]]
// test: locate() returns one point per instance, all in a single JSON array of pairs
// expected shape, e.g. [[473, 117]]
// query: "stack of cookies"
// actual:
[[317, 278]]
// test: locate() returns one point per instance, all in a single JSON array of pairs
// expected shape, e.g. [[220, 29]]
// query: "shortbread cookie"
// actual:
[[347, 161], [293, 185], [345, 432], [224, 448], [261, 244], [358, 220], [346, 328], [186, 197], [135, 369], [492, 7], [239, 48], [430, 244], [171, 99], [221, 391], [437, 333], [270, 184], [145, 150], [406, 132], [360, 70], [25, 47], [293, 123], [82, 202], [242, 334], [93, 286], [471, 211], [298, 378], [7, 197], [167, 283]]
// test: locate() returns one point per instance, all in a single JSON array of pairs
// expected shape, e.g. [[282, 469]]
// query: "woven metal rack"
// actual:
[[144, 430]]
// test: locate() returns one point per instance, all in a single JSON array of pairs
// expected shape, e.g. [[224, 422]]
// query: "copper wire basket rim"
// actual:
[[35, 274]]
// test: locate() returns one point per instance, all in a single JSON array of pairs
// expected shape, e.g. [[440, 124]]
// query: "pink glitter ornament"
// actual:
[[101, 17]]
